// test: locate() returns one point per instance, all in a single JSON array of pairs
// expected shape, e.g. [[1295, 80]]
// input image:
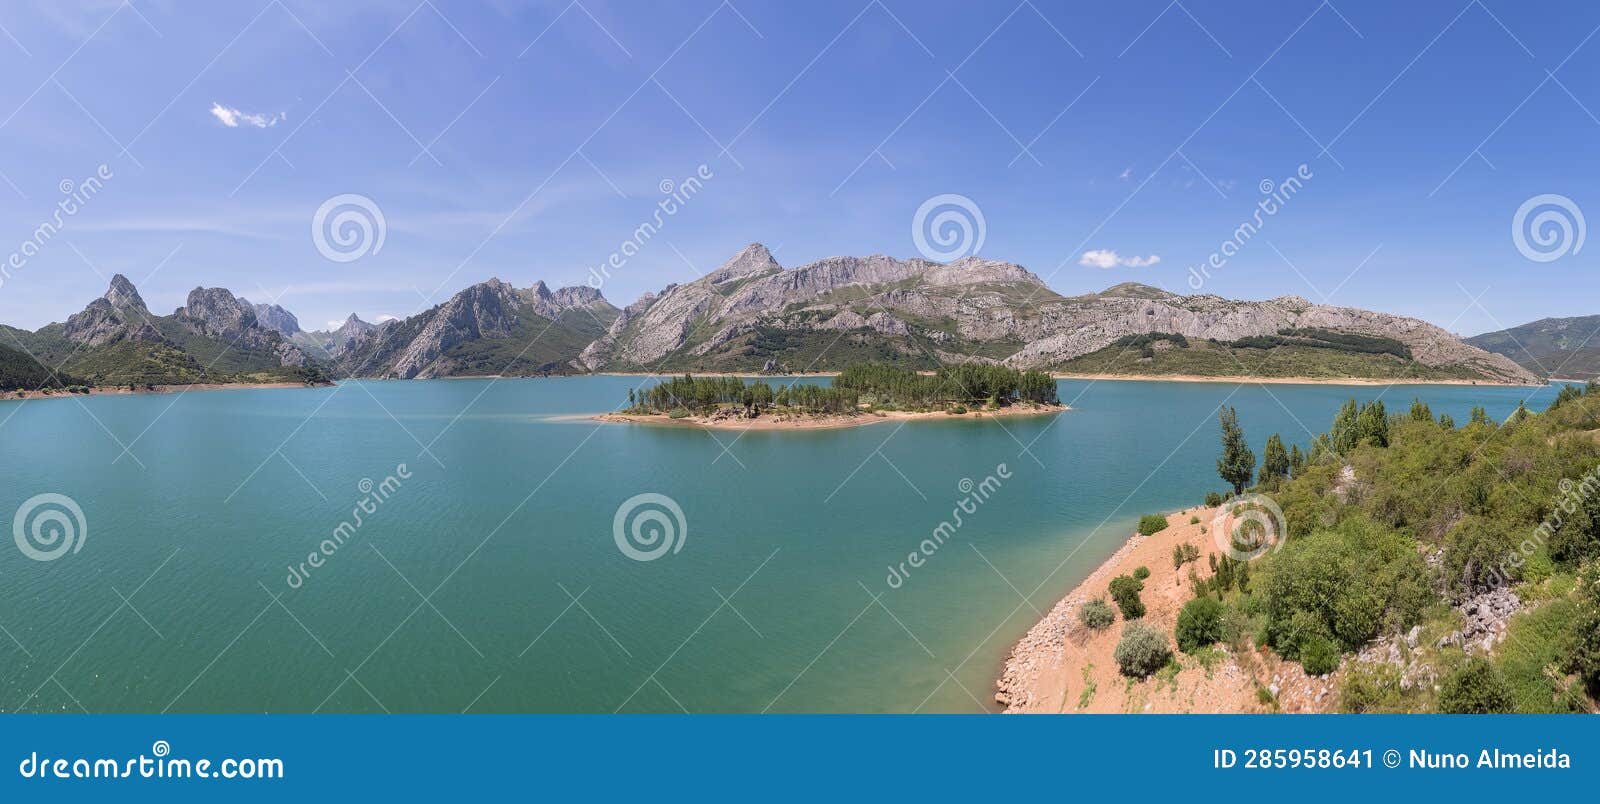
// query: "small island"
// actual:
[[861, 394]]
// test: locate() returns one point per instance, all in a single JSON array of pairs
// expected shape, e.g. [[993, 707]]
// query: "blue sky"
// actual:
[[529, 140]]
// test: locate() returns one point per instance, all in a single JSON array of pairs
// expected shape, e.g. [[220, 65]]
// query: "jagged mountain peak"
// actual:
[[123, 295], [275, 317], [217, 313], [751, 260], [118, 315]]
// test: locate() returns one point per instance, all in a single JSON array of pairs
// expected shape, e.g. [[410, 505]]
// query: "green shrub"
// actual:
[[1213, 499], [1125, 590], [1475, 688], [1372, 689], [1584, 656], [1141, 651], [1096, 614], [1194, 520], [1348, 585], [1318, 655], [1183, 554], [1152, 523], [1141, 573], [678, 413], [1199, 624], [958, 409]]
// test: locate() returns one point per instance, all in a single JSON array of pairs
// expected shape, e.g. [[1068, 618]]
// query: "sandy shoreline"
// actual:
[[827, 422], [1062, 666], [1285, 380], [122, 390]]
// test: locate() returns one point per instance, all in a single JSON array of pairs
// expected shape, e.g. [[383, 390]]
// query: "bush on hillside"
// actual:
[[1125, 590], [1199, 624], [1152, 523], [1348, 585], [1475, 688], [1318, 655], [1096, 615], [1141, 651]]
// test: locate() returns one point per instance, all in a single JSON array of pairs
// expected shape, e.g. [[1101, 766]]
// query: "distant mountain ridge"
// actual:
[[1562, 348], [115, 340], [488, 328], [753, 314]]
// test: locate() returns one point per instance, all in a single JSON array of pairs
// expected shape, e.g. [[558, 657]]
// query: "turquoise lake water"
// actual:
[[490, 579]]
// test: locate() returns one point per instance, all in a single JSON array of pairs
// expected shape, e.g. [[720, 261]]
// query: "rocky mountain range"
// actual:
[[488, 328], [752, 314], [1564, 348], [116, 340]]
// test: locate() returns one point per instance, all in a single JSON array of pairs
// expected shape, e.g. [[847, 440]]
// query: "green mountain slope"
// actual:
[[1561, 347], [1265, 356]]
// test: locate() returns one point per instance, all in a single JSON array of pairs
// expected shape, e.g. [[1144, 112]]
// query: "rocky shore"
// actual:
[[1063, 666], [123, 390]]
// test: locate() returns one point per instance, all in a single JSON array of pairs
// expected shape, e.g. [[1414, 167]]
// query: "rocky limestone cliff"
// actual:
[[485, 311], [352, 330], [971, 303], [119, 314], [275, 318], [217, 313], [1085, 324], [833, 294], [481, 311]]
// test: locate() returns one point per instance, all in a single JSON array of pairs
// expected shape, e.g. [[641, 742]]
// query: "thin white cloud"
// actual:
[[1126, 174], [233, 118], [386, 317], [1106, 258]]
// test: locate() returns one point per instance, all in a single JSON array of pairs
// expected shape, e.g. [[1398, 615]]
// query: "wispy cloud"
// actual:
[[1106, 258], [233, 118]]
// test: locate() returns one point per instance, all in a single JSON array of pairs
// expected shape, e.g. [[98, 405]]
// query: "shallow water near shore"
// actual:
[[488, 579]]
